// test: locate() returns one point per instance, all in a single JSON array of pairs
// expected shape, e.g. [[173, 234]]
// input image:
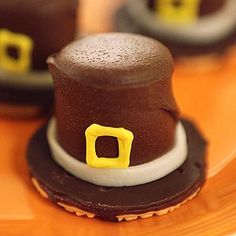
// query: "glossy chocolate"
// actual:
[[113, 60], [51, 24], [117, 80], [107, 202], [206, 6]]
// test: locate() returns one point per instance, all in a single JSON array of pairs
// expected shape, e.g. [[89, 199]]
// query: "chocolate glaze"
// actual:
[[114, 60], [107, 202], [51, 24], [117, 80], [206, 6]]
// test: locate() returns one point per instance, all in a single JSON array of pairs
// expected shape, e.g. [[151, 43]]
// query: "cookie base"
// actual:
[[118, 203], [128, 217]]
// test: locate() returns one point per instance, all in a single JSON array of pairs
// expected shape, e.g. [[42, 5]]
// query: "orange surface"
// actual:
[[207, 98]]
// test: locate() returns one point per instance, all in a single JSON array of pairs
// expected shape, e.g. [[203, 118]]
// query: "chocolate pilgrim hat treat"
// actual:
[[31, 30], [187, 27], [116, 148]]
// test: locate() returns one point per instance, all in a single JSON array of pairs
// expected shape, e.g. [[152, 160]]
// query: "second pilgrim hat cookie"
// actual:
[[197, 32], [31, 30], [116, 148]]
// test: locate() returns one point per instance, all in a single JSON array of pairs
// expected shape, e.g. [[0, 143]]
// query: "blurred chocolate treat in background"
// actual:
[[31, 30], [198, 28]]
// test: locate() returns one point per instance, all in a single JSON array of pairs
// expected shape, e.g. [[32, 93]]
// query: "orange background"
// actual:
[[207, 97]]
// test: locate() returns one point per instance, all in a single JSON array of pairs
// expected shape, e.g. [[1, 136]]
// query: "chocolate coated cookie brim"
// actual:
[[110, 202]]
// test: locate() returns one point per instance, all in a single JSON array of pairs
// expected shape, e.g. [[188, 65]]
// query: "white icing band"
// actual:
[[130, 176], [207, 29]]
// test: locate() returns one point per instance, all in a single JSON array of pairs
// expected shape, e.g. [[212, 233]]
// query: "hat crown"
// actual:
[[115, 59], [116, 93]]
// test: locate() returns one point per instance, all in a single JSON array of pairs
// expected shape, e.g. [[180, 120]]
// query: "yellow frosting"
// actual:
[[23, 44], [186, 13], [124, 137]]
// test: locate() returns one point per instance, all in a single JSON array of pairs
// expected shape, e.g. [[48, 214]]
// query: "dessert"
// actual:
[[200, 29], [38, 29], [116, 148]]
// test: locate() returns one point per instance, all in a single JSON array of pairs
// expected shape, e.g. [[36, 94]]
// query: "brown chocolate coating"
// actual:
[[114, 60], [108, 202], [206, 6], [116, 80], [51, 24]]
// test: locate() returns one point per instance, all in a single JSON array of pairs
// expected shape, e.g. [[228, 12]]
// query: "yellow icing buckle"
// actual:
[[178, 11], [24, 46], [124, 137]]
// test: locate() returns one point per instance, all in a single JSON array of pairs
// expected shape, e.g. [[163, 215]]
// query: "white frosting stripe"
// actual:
[[130, 176]]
